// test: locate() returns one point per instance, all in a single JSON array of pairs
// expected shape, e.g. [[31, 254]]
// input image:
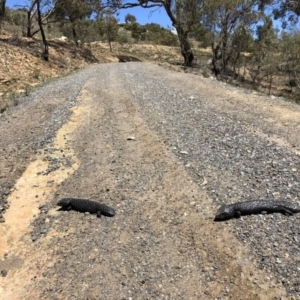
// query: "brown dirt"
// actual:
[[22, 66]]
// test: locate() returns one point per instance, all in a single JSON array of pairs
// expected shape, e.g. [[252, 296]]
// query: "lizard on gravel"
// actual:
[[235, 210], [84, 205]]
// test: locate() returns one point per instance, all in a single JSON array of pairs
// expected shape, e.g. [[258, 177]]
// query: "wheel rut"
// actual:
[[33, 189]]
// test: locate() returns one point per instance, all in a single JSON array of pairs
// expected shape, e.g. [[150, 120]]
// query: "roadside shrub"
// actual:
[[122, 38]]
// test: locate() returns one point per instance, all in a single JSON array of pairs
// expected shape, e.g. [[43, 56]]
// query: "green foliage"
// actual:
[[202, 35], [138, 32], [205, 74], [16, 17], [165, 37], [159, 35], [188, 13], [86, 31], [19, 19], [155, 28], [287, 11], [72, 9], [228, 21], [122, 38], [290, 59], [108, 27], [130, 18], [152, 33], [242, 40], [264, 59], [128, 27], [266, 33]]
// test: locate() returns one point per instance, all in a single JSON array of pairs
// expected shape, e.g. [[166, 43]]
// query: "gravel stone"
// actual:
[[49, 105], [239, 163]]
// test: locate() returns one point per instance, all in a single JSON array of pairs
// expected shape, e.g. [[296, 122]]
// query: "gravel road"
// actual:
[[164, 149]]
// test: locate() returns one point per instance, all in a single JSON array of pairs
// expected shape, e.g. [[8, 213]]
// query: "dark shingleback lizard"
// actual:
[[84, 205], [235, 210]]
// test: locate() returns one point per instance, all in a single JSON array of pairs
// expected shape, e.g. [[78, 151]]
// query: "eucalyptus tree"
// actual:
[[31, 8], [290, 59], [286, 10], [130, 18], [226, 20], [35, 8], [265, 58], [39, 13], [107, 26], [72, 11], [184, 14]]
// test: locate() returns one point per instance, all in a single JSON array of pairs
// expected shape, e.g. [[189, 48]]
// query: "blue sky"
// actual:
[[142, 15]]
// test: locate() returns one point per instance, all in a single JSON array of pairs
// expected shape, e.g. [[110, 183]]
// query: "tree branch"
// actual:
[[144, 4]]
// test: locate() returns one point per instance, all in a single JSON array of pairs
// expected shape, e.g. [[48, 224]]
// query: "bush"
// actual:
[[167, 38], [122, 38]]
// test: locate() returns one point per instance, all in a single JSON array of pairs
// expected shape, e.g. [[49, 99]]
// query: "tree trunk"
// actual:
[[46, 51], [34, 33], [74, 34], [270, 83], [109, 40], [30, 15], [224, 56], [185, 46], [28, 24], [216, 57], [2, 11]]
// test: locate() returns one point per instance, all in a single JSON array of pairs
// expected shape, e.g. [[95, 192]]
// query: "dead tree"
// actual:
[[46, 50]]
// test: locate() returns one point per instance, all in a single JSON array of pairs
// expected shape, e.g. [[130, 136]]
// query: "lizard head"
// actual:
[[64, 202], [224, 213]]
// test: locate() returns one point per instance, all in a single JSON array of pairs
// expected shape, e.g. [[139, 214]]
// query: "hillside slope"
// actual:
[[22, 67]]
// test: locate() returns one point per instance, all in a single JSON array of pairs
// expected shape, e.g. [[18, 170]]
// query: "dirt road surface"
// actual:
[[164, 149]]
